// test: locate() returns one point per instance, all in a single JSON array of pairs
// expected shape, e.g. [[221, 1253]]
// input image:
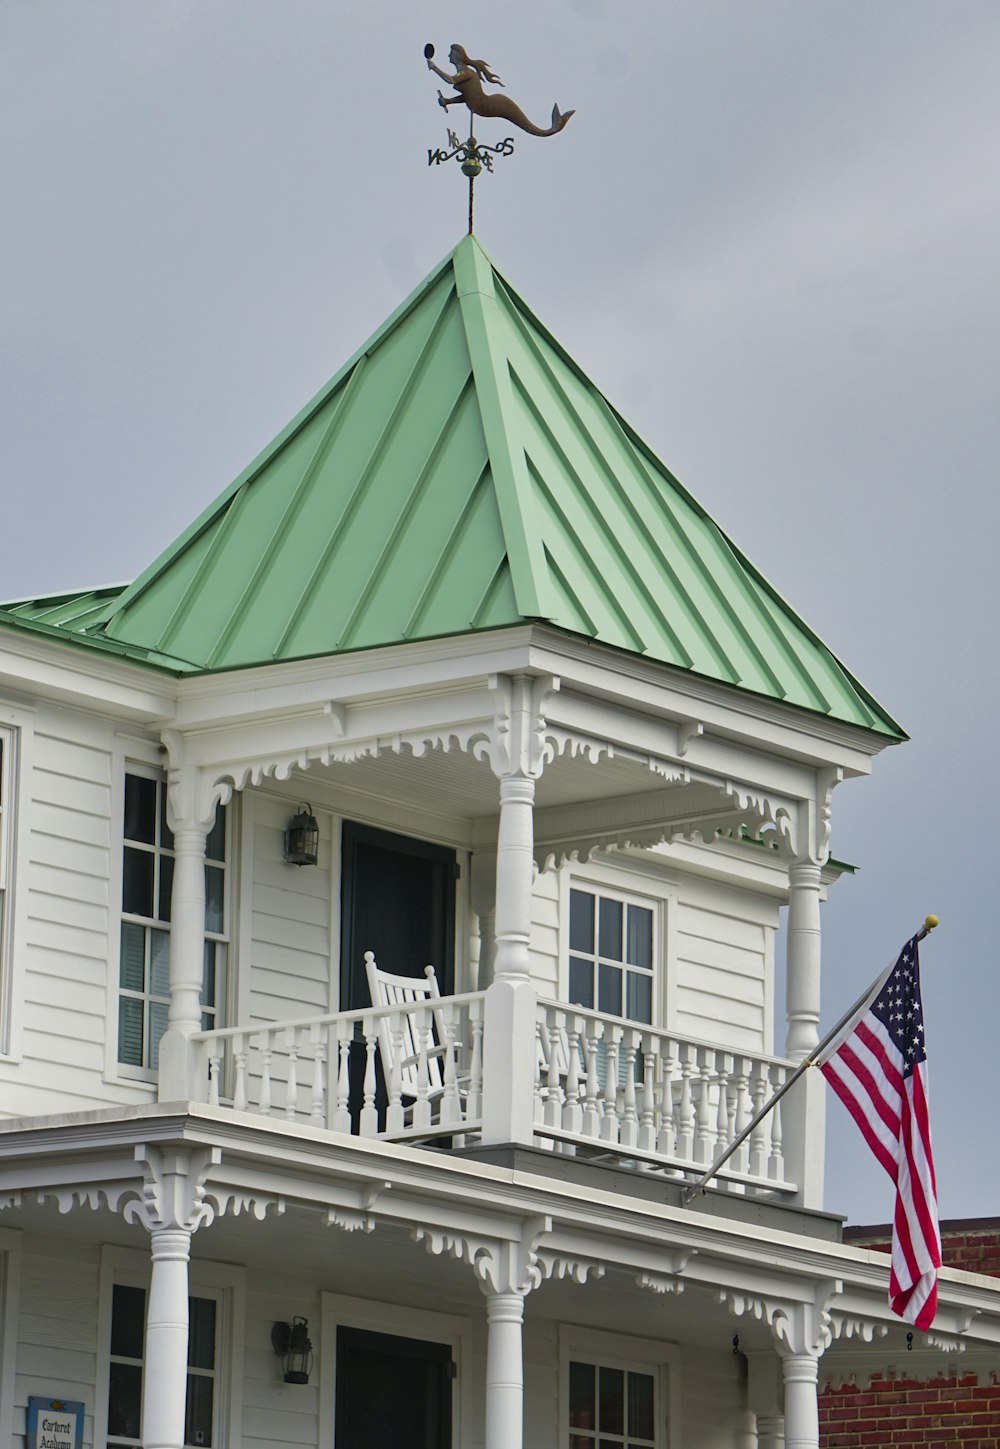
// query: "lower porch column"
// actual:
[[801, 1375], [504, 1371], [770, 1431], [165, 1377]]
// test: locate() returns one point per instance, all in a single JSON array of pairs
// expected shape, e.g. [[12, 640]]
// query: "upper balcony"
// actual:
[[601, 1087]]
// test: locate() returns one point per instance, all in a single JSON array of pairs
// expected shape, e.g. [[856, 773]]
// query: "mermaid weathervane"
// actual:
[[468, 80]]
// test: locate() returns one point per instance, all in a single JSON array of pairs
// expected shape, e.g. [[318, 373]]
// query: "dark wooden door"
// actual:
[[392, 1393], [398, 900]]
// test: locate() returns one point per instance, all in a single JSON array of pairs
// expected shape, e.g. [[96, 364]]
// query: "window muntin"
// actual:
[[147, 882], [611, 954], [612, 1406], [127, 1362]]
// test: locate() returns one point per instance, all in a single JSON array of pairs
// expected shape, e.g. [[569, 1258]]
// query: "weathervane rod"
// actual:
[[693, 1188]]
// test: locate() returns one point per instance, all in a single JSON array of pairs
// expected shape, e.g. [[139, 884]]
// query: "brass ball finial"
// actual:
[[930, 922]]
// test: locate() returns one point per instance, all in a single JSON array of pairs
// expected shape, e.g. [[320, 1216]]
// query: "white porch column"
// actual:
[[504, 1371], [770, 1431], [190, 815], [764, 1396], [165, 1378], [804, 1109], [517, 753], [801, 1374], [484, 900], [172, 1206], [179, 1080], [802, 983]]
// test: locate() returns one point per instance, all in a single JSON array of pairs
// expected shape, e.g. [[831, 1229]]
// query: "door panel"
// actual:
[[398, 900], [392, 1392]]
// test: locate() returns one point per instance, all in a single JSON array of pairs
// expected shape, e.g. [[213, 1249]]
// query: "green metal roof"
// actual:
[[461, 473], [76, 611]]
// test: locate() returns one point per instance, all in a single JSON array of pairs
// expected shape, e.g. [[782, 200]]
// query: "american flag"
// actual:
[[879, 1072]]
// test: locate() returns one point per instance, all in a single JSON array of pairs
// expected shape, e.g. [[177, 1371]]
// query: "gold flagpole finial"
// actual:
[[929, 923]]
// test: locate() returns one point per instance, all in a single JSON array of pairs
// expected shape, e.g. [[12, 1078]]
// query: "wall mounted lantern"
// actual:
[[302, 838], [290, 1342]]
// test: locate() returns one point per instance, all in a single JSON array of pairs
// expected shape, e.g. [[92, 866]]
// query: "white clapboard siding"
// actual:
[[272, 1415], [545, 932], [719, 969], [290, 947], [68, 919], [57, 1325]]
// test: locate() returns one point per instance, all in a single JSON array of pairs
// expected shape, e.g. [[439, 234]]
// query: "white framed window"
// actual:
[[215, 1348], [612, 951], [616, 1392], [147, 883]]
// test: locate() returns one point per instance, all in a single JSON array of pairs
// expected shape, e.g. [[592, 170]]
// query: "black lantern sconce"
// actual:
[[302, 838], [290, 1342]]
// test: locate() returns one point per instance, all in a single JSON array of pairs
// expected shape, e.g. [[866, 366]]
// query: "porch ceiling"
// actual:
[[456, 783]]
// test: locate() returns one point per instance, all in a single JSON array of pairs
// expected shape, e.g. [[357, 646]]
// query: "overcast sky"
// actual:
[[771, 234]]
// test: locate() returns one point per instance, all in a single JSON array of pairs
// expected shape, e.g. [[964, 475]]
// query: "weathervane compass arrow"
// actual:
[[473, 155]]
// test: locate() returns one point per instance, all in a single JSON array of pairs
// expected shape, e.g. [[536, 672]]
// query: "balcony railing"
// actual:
[[603, 1087], [637, 1092]]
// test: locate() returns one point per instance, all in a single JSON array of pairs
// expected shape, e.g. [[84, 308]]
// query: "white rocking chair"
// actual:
[[414, 1069]]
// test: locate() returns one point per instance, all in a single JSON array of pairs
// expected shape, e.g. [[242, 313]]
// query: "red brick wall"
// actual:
[[944, 1413]]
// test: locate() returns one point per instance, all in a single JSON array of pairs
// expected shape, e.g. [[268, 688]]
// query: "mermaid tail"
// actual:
[[505, 109]]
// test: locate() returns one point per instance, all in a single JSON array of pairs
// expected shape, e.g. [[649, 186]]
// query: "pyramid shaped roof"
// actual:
[[461, 473]]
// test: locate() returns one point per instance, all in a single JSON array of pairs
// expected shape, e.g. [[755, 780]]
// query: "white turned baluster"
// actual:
[[292, 1089], [369, 1114], [686, 1121], [647, 1121], [705, 1132], [573, 1111], [451, 1107], [395, 1113], [758, 1137], [474, 1099], [342, 1116], [553, 1086], [592, 1088], [776, 1160], [214, 1072], [630, 1117], [240, 1084], [666, 1137], [424, 1040], [722, 1126], [609, 1124], [744, 1111], [265, 1074], [539, 1090], [317, 1113]]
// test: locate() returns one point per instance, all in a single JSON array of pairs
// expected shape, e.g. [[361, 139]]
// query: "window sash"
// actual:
[[198, 1375], [612, 952]]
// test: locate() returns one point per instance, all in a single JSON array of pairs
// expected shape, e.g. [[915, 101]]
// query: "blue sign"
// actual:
[[54, 1424]]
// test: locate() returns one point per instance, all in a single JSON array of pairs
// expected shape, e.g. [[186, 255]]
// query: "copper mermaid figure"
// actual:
[[468, 81]]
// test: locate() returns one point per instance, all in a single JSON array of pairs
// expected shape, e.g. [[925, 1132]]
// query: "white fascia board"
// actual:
[[276, 690], [42, 668], [725, 711]]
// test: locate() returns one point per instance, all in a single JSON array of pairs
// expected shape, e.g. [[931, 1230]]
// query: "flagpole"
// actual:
[[689, 1192]]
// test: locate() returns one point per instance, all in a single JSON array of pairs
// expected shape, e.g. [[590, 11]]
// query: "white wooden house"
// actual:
[[560, 740]]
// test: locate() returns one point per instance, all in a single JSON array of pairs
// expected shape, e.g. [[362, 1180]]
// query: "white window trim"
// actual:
[[131, 1266], [10, 1287], [150, 764], [608, 882], [336, 1309], [617, 1350]]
